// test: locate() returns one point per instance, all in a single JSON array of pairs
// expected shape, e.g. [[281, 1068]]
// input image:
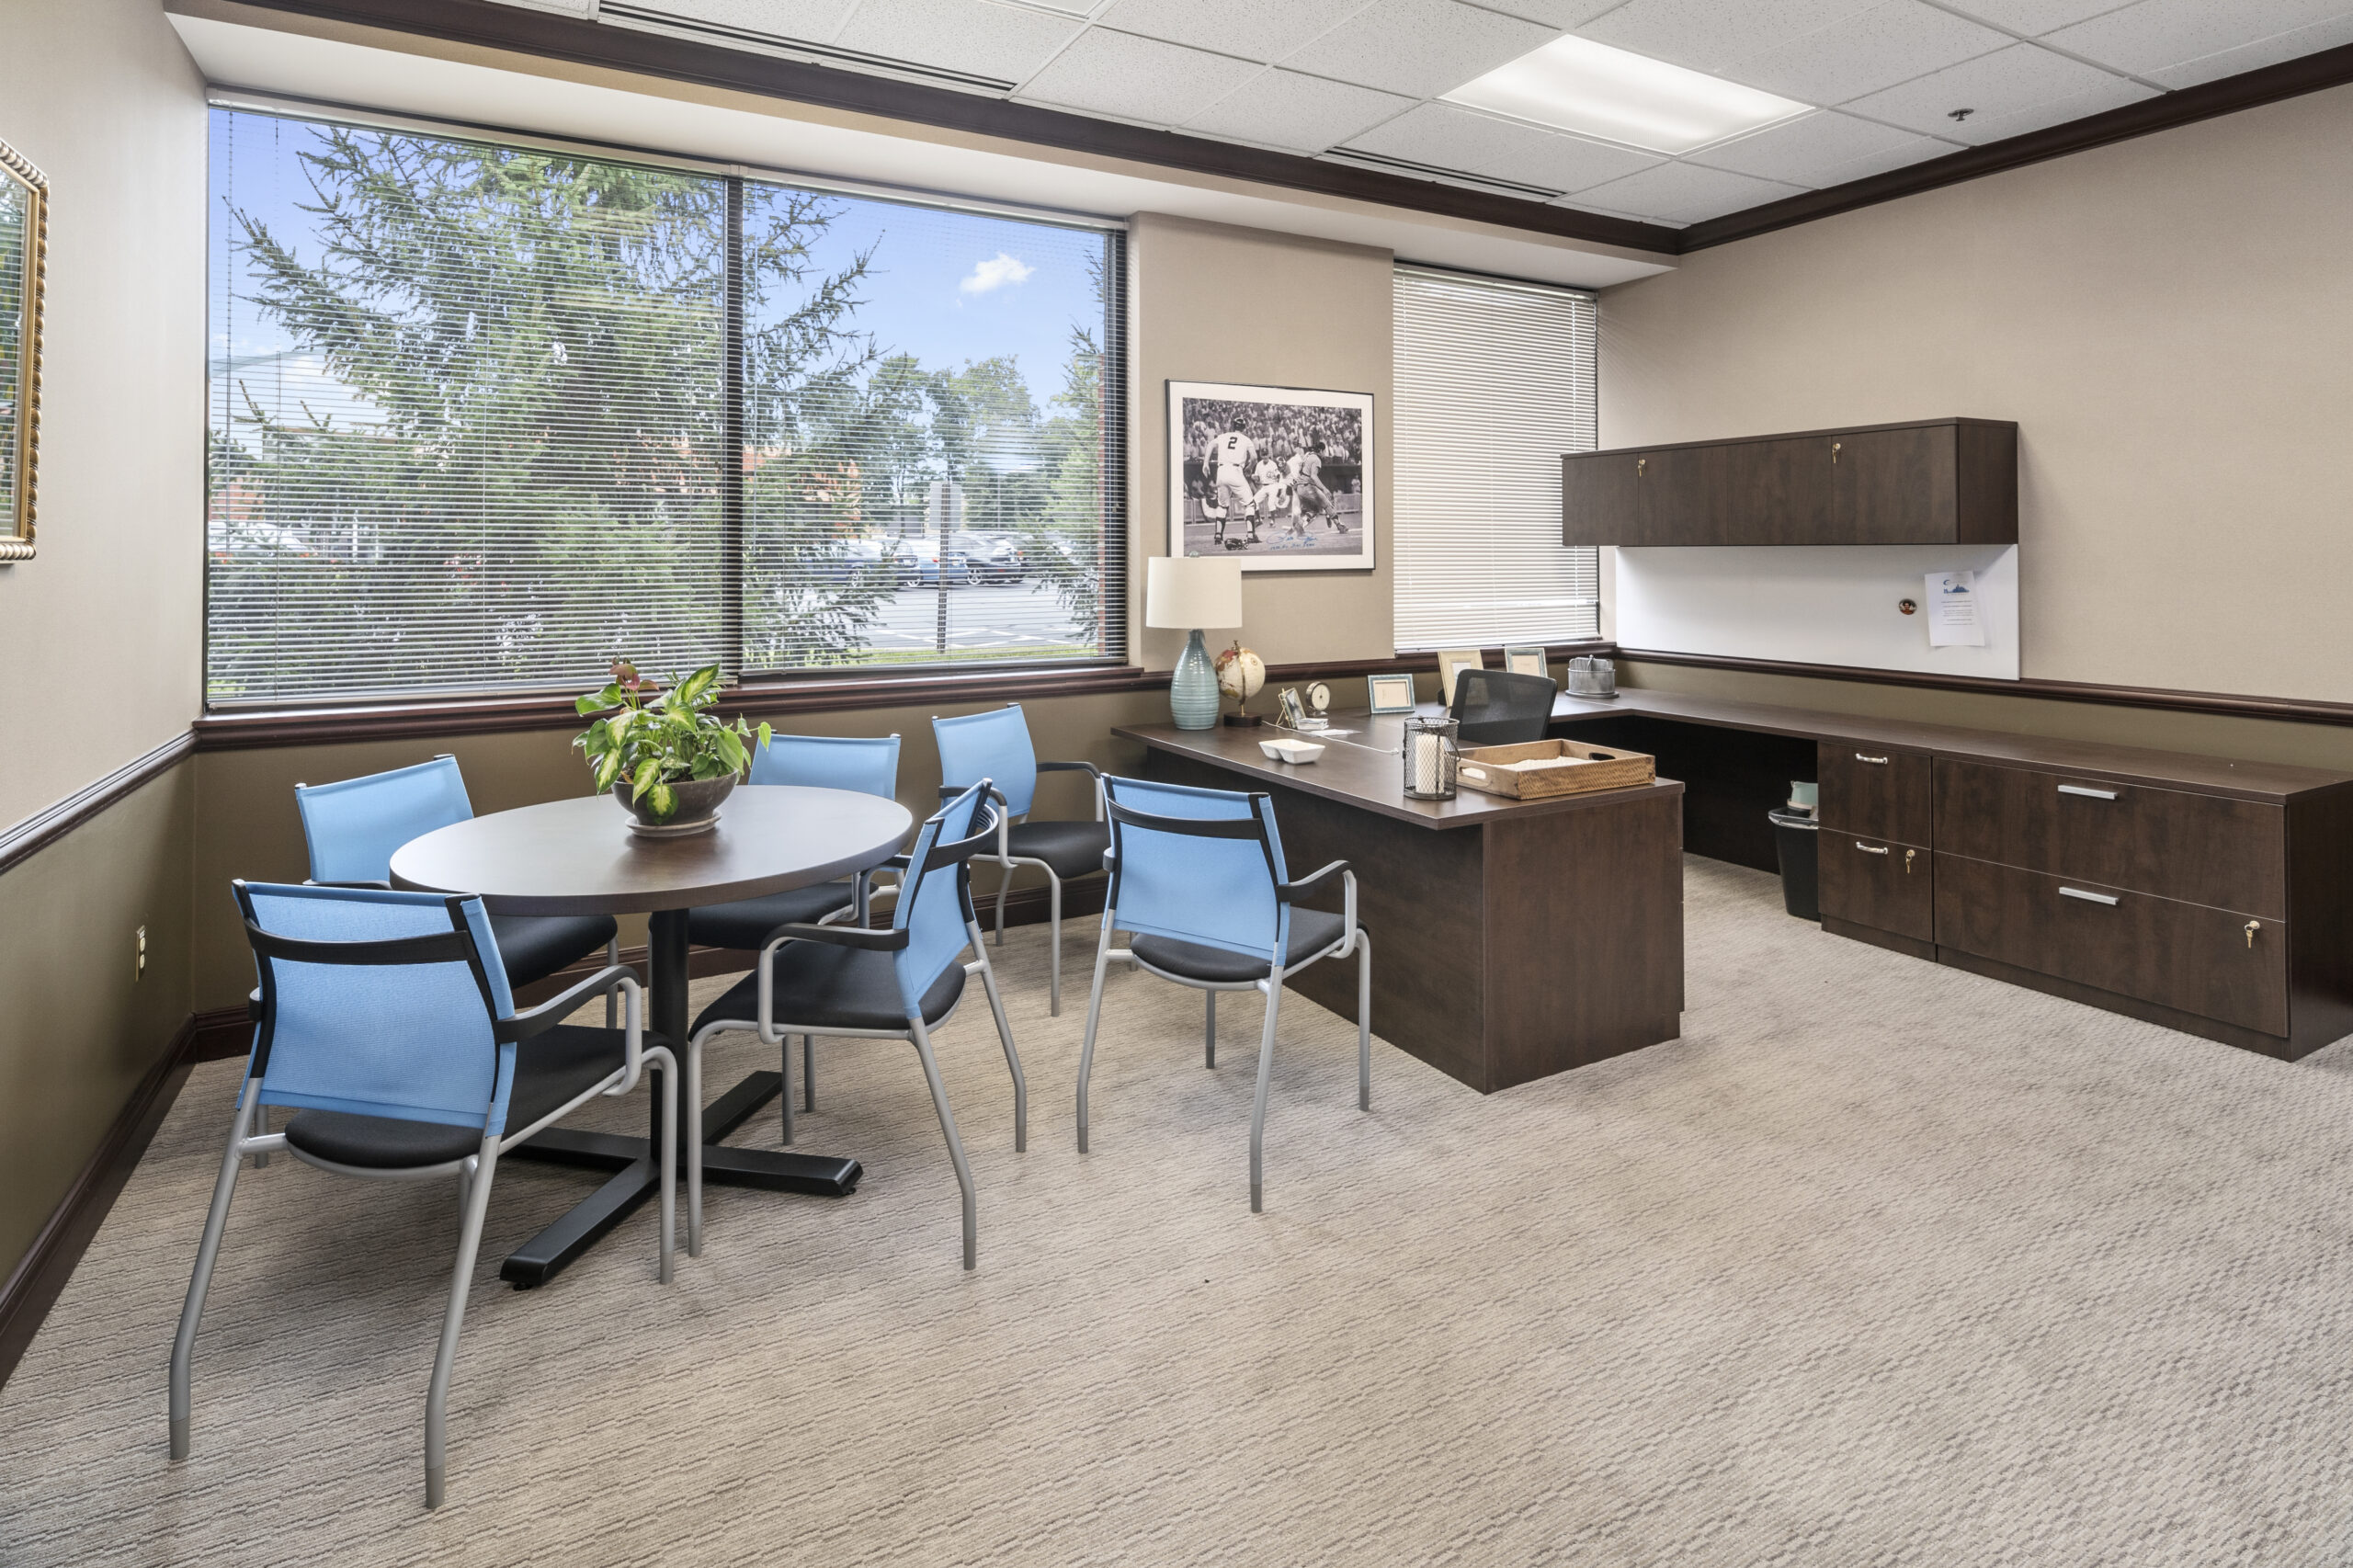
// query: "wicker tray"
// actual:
[[1490, 771]]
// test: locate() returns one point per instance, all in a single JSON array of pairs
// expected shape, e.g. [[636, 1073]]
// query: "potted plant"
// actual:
[[661, 752]]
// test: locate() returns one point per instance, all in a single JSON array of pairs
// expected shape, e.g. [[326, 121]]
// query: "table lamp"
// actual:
[[1185, 594]]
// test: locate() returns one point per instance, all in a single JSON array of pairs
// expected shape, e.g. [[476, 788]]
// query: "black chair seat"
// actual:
[[1070, 848], [822, 986], [549, 1069], [745, 925], [1311, 931], [536, 946]]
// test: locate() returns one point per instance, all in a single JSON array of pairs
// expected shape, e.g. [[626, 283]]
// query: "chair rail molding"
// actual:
[[43, 828]]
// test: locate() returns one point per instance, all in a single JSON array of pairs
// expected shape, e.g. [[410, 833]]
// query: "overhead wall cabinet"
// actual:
[[1930, 482]]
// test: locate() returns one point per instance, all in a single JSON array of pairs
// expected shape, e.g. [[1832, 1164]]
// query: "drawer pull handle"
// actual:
[[2088, 792], [2087, 897], [1874, 761], [1871, 848], [2252, 928]]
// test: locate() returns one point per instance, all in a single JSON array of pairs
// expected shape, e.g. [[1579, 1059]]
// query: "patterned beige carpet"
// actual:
[[1879, 1264]]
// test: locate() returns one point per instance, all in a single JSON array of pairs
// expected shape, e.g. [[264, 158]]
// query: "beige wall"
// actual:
[[2170, 321], [1210, 304], [101, 97]]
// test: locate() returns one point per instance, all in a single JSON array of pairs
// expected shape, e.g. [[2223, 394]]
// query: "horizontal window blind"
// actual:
[[1494, 380], [488, 416]]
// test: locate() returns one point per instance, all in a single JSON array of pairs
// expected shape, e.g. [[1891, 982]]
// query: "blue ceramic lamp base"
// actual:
[[1192, 689]]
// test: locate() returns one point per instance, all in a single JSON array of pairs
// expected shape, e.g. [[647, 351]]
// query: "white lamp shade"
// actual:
[[1184, 593]]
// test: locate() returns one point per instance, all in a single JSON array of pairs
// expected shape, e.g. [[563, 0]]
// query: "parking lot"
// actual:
[[1012, 616]]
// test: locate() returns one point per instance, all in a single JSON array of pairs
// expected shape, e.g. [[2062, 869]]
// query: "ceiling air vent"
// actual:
[[756, 42], [1431, 171]]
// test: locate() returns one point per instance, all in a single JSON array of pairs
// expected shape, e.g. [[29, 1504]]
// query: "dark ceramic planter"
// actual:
[[693, 807]]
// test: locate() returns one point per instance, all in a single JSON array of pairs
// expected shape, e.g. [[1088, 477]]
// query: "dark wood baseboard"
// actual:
[[1911, 947], [34, 1285]]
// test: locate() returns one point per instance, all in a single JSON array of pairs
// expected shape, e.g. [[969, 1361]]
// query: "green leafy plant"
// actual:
[[653, 738]]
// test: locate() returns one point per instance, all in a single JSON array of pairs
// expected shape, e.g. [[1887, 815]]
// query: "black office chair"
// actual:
[[1501, 707]]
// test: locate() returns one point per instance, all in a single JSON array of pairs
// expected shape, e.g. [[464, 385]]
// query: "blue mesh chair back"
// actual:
[[868, 765], [1219, 892], [353, 827], [413, 1042], [932, 909], [992, 746]]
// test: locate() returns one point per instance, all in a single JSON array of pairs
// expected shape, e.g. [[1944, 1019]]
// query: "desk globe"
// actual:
[[1241, 674]]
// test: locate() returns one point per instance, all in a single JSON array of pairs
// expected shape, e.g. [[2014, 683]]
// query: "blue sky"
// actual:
[[947, 286]]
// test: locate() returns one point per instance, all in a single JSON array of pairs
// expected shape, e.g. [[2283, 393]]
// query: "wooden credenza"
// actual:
[[2208, 896]]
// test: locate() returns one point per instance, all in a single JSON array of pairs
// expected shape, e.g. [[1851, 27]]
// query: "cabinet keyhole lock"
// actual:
[[2252, 928], [1907, 865], [1640, 465]]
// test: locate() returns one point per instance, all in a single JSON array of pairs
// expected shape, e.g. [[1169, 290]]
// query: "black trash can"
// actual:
[[1795, 836]]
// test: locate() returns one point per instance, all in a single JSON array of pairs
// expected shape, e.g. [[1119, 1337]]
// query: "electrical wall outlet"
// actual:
[[139, 956]]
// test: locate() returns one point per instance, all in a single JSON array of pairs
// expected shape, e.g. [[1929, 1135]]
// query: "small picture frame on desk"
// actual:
[[1390, 694], [1292, 710], [1452, 661], [1527, 662]]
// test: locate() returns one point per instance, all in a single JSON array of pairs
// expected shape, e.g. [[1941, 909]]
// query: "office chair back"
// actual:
[[353, 827], [1501, 707], [934, 908], [992, 746], [868, 765], [379, 1003], [1198, 864]]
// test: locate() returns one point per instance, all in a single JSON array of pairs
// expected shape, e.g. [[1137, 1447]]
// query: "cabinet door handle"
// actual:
[[2087, 897], [2088, 792], [1871, 848], [1874, 761]]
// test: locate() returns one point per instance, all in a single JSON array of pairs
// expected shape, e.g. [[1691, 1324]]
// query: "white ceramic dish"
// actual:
[[1291, 751]]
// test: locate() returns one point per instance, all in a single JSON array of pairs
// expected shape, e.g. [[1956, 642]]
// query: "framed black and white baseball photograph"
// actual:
[[1279, 477]]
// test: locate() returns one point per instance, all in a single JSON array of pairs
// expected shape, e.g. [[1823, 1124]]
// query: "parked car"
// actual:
[[995, 558], [932, 564]]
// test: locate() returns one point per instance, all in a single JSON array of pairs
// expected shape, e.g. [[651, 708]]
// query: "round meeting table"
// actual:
[[579, 857]]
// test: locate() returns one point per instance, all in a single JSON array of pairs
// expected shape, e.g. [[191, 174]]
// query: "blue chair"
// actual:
[[386, 1025], [825, 762], [996, 747], [353, 827], [899, 983], [1198, 881]]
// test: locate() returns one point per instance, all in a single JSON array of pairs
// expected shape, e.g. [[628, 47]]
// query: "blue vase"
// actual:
[[1193, 689]]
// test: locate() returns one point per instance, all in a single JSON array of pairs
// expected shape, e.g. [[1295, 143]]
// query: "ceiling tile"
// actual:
[[2033, 17], [811, 21], [1561, 13], [1892, 42], [1685, 193], [2254, 56], [1994, 88], [1444, 137], [1979, 130], [2149, 36], [1420, 48], [1306, 114], [1262, 30], [1135, 78], [1072, 8], [958, 35], [1708, 35], [1819, 149]]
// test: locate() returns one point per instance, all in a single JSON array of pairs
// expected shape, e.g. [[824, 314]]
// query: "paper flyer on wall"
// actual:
[[1953, 621]]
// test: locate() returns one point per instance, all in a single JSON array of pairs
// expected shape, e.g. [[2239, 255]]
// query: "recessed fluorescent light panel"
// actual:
[[1574, 83]]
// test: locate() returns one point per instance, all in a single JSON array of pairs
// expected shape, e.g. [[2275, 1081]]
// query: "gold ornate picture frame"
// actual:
[[24, 256]]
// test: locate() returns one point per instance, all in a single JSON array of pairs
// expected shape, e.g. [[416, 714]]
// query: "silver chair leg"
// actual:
[[465, 1185], [1094, 1014], [1364, 1022], [660, 1057], [612, 992], [1012, 1057], [1054, 938], [808, 1071], [1208, 1034], [1003, 886], [784, 1089], [1259, 1107], [436, 1396], [183, 1343], [694, 1139], [954, 1144]]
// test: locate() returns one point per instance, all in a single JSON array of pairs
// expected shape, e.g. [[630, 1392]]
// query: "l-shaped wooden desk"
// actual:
[[1511, 939]]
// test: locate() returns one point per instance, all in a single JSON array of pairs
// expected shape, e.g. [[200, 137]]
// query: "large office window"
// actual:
[[1495, 381], [488, 416]]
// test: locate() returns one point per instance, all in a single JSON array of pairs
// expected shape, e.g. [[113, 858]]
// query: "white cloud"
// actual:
[[995, 273]]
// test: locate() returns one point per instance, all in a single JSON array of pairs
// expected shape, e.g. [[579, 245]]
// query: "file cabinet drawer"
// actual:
[[2207, 849], [1876, 882], [2184, 956], [1876, 792]]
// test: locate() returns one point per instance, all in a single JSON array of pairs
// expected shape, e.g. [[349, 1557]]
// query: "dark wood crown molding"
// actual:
[[2288, 710], [2250, 89], [38, 832], [555, 36]]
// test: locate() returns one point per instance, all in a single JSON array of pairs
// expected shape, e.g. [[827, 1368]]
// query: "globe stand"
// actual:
[[1241, 721]]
